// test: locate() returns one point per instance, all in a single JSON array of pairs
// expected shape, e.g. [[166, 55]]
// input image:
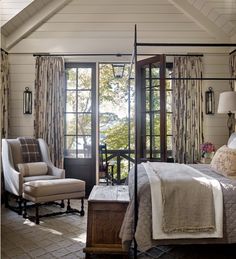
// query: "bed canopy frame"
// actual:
[[134, 64]]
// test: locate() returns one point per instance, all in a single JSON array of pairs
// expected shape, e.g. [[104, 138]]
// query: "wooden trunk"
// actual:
[[106, 209]]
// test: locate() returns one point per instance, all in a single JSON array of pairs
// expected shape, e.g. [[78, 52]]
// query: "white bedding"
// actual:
[[157, 209]]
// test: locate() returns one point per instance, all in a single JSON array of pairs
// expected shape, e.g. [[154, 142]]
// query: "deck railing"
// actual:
[[118, 156]]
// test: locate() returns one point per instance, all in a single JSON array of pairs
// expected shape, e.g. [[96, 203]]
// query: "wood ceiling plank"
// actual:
[[196, 15], [34, 22]]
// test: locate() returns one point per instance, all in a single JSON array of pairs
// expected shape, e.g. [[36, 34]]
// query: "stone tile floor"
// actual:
[[65, 237], [55, 237]]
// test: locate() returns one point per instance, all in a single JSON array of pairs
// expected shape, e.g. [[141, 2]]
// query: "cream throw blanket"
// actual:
[[187, 203]]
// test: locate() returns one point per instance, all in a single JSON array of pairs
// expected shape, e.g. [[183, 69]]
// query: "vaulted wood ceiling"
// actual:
[[107, 25]]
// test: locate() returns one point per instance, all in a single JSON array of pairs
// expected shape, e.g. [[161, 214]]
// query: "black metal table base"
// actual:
[[38, 216]]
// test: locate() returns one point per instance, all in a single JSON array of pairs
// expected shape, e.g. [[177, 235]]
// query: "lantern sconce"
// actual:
[[27, 101], [210, 101], [118, 70]]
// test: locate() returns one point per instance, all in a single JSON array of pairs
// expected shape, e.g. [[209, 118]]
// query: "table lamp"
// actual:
[[227, 104]]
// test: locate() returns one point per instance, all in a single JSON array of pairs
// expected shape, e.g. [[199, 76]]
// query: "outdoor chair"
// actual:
[[106, 168]]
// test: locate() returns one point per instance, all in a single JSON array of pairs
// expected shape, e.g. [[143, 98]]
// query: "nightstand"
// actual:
[[205, 160]]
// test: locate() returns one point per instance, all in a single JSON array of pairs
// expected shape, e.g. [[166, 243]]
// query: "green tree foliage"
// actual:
[[113, 103]]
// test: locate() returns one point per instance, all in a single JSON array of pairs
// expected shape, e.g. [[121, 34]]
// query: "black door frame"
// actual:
[[141, 110], [85, 168]]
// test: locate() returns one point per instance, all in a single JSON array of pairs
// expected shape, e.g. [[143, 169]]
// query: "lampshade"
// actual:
[[227, 102]]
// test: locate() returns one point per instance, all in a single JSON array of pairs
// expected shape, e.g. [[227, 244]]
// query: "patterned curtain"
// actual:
[[5, 83], [49, 105], [232, 68], [187, 109]]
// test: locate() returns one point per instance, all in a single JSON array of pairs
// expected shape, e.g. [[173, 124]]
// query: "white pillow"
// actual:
[[33, 169], [224, 161], [232, 141]]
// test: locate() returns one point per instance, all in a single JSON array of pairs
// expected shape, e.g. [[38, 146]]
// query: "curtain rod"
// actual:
[[4, 51], [188, 44], [117, 55]]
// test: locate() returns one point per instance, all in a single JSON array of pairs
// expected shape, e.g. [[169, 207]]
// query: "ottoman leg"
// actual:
[[82, 207], [62, 204], [24, 210], [68, 205], [37, 213]]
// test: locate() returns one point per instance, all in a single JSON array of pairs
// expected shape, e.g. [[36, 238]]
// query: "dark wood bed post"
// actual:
[[136, 143]]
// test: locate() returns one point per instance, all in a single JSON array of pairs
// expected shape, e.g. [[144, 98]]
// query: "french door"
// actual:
[[154, 116], [80, 123]]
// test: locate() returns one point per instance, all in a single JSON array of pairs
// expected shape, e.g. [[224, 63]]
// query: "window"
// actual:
[[79, 110], [155, 95]]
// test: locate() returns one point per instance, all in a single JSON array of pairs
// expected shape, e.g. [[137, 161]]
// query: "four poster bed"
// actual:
[[144, 231], [147, 217]]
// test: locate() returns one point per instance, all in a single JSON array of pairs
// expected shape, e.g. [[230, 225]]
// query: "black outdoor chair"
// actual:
[[106, 168]]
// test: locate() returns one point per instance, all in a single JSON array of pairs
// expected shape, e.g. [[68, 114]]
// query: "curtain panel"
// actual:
[[232, 68], [5, 85], [49, 105], [187, 109]]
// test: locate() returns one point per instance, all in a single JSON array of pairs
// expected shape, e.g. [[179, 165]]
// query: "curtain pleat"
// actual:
[[5, 86], [232, 68], [187, 109], [50, 105]]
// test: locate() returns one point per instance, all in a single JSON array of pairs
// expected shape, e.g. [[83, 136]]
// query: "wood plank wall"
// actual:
[[215, 126], [22, 74]]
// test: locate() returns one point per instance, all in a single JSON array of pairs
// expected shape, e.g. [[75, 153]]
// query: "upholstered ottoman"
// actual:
[[42, 191]]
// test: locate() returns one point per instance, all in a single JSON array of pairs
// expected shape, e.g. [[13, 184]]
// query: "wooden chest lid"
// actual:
[[118, 193]]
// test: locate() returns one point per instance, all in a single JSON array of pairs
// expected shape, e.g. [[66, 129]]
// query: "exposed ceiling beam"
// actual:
[[34, 22], [199, 18]]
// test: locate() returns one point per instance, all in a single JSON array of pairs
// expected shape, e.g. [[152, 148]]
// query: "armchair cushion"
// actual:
[[39, 177], [33, 169]]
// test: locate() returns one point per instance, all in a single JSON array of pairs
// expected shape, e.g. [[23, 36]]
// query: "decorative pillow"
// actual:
[[232, 141], [33, 169], [224, 161], [30, 149]]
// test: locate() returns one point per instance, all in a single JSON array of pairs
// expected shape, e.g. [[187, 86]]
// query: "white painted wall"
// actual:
[[215, 126], [22, 74]]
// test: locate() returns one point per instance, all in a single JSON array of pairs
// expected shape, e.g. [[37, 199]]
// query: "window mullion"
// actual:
[[150, 108], [76, 116], [163, 110]]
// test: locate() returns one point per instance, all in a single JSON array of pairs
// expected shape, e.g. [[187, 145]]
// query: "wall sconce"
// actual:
[[210, 101], [227, 104], [118, 70], [27, 101]]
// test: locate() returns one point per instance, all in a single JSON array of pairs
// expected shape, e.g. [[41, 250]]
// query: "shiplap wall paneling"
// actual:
[[215, 126], [22, 74]]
